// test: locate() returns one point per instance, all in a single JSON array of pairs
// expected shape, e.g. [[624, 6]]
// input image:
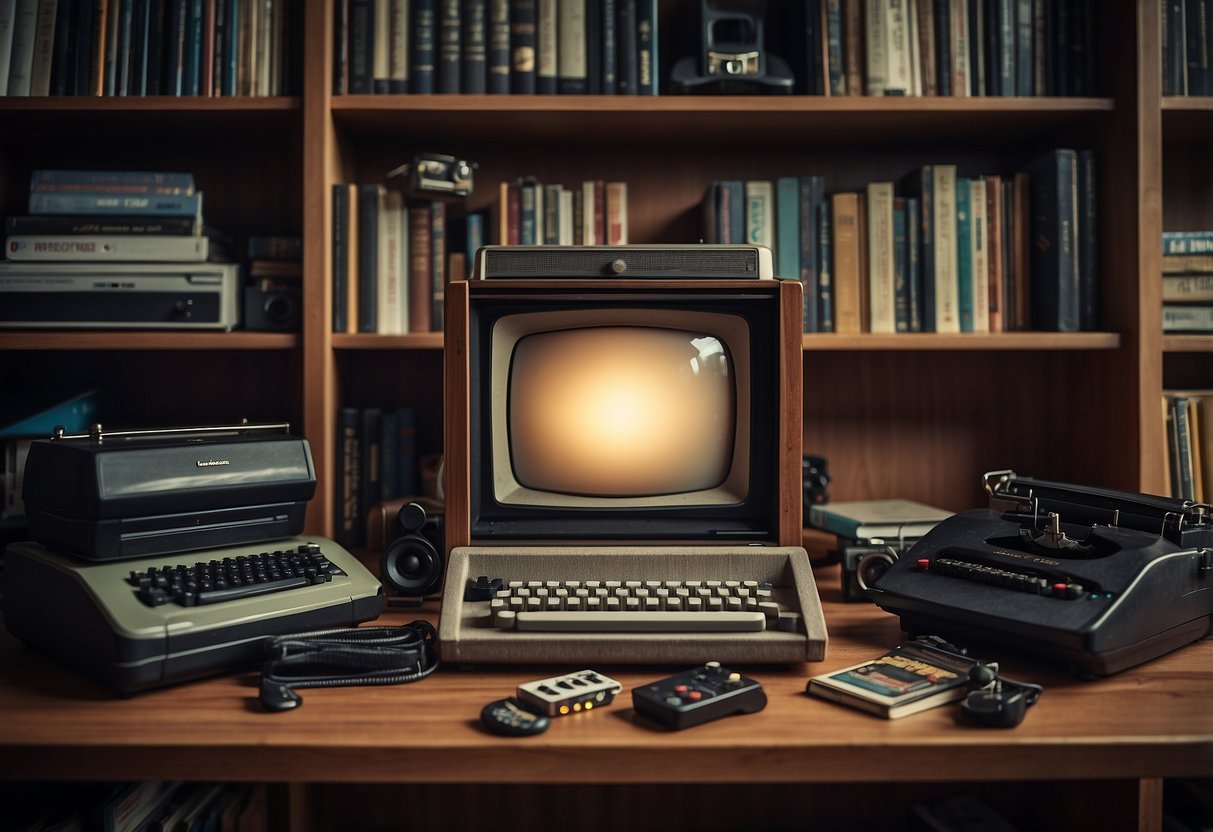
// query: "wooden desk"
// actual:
[[1090, 755]]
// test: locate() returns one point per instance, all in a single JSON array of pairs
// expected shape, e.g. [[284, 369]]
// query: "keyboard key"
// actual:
[[641, 622]]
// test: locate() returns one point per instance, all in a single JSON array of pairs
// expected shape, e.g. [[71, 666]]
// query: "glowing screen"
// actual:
[[621, 411]]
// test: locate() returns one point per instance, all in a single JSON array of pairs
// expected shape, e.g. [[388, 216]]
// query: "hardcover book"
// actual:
[[876, 519], [910, 678]]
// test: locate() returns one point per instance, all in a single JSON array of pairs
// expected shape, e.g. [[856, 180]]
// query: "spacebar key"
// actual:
[[216, 596], [641, 622]]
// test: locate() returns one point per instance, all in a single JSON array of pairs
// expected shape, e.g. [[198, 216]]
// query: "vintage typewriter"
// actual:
[[1092, 579], [164, 555]]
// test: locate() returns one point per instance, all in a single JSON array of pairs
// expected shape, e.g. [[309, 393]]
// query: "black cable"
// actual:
[[346, 656]]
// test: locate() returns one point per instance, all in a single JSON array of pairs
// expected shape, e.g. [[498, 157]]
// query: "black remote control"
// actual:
[[697, 696], [512, 718]]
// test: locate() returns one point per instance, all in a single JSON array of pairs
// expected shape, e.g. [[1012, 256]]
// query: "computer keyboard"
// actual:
[[752, 604], [145, 622]]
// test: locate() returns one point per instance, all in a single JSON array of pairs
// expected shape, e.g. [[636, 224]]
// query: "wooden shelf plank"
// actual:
[[828, 341], [366, 341], [1187, 343], [166, 340]]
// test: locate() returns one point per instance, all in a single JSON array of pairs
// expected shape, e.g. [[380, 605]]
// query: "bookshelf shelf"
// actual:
[[178, 340], [414, 341], [712, 119], [1187, 343], [932, 341]]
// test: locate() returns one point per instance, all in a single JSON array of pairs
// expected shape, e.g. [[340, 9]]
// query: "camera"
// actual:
[[412, 563], [436, 173], [864, 562], [273, 306]]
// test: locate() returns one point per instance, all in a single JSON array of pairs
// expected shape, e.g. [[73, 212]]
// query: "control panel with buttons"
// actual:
[[571, 693], [698, 696]]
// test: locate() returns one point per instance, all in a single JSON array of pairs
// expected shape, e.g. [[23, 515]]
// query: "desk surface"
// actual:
[[1149, 722]]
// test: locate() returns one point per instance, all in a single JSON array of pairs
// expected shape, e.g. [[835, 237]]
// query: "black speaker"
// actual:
[[412, 563]]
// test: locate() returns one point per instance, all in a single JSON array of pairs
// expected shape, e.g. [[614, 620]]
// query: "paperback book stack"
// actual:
[[90, 216], [1187, 281]]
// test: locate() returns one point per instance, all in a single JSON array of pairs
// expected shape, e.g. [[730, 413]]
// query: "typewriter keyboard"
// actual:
[[215, 581], [633, 606]]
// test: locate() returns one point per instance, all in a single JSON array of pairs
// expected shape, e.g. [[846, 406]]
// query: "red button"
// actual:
[[680, 688], [1059, 589], [924, 564], [695, 696]]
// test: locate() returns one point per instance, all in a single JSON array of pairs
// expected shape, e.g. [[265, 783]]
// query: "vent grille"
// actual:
[[622, 262]]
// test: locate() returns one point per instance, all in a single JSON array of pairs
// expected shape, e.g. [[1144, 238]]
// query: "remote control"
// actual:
[[698, 696], [573, 692], [512, 718]]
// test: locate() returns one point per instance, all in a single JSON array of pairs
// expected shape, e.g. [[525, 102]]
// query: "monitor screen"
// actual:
[[640, 415]]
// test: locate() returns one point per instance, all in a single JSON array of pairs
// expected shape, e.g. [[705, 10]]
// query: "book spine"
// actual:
[[787, 220], [1187, 242], [381, 47], [341, 241], [825, 269], [107, 248], [450, 47], [1054, 290], [498, 47], [127, 182], [610, 46], [438, 265], [901, 268], [1188, 288], [421, 280], [946, 283], [980, 259], [474, 55], [810, 192], [1174, 62], [348, 479], [68, 224], [942, 15], [964, 255], [362, 47], [546, 57], [185, 205], [1087, 247], [422, 23], [368, 257], [1187, 318], [396, 25], [913, 264], [571, 56], [523, 43], [845, 220], [8, 19], [388, 270], [1196, 28], [627, 58], [875, 46], [881, 294], [647, 52], [995, 236], [617, 213]]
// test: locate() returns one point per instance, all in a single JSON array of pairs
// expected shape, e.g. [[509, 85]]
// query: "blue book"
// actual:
[[1088, 243], [1187, 242], [449, 39], [475, 236], [524, 43], [964, 254], [368, 258], [914, 263], [526, 214], [406, 452], [108, 203], [497, 47], [340, 254], [473, 54], [422, 54], [901, 267], [40, 415], [1053, 214], [647, 18], [731, 210], [125, 181], [920, 186], [812, 196], [192, 58], [825, 272], [787, 227], [361, 46]]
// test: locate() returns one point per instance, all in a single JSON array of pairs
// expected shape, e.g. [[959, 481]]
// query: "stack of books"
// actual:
[[571, 47], [1187, 281], [109, 217], [936, 251]]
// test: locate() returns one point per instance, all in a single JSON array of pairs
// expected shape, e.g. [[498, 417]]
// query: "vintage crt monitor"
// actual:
[[623, 456]]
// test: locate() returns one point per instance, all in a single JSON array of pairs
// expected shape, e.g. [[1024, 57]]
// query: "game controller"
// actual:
[[512, 718], [698, 696]]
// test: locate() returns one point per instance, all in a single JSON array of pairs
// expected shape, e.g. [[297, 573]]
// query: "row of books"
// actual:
[[935, 252], [951, 47], [145, 806], [1187, 281], [390, 260], [594, 213], [1188, 415], [1187, 36], [574, 47], [376, 462], [145, 47]]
